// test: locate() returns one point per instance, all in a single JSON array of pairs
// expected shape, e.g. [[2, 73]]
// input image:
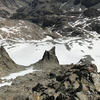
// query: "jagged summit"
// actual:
[[49, 56], [48, 60]]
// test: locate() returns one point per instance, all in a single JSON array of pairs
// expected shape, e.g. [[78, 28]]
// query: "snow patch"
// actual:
[[28, 53], [6, 84], [80, 9]]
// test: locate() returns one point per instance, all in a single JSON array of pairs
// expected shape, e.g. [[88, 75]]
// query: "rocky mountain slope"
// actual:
[[55, 15], [87, 3]]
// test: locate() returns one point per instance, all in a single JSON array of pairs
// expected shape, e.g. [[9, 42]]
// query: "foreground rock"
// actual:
[[72, 82]]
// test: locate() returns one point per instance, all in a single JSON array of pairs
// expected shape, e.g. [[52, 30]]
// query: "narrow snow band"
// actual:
[[21, 73], [6, 83], [14, 75]]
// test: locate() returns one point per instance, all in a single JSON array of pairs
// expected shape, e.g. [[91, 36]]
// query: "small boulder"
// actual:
[[84, 87], [73, 78], [75, 85], [67, 85], [49, 92], [96, 80]]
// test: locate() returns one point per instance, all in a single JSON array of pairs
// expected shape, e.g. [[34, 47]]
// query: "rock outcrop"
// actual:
[[6, 63], [95, 26], [48, 60], [87, 3], [50, 56], [91, 12]]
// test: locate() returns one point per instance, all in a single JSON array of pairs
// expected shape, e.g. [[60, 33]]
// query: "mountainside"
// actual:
[[8, 7], [29, 7], [6, 63], [54, 48], [57, 14], [42, 24]]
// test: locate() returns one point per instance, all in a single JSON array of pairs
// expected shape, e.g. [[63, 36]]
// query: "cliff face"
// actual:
[[6, 63]]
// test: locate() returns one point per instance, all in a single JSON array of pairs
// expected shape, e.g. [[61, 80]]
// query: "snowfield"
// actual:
[[68, 50]]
